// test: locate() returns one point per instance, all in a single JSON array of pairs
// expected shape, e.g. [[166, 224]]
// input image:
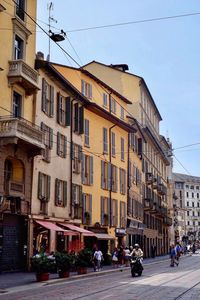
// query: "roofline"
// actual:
[[141, 78], [138, 126], [96, 108]]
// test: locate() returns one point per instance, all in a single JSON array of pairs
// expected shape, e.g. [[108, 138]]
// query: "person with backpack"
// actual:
[[98, 258]]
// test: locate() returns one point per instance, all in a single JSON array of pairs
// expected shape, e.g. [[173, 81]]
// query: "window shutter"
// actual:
[[83, 169], [51, 101], [56, 191], [102, 211], [125, 214], [109, 177], [90, 91], [40, 185], [120, 215], [124, 181], [80, 196], [48, 187], [84, 207], [64, 193], [79, 153], [116, 206], [82, 87], [91, 170], [58, 108], [68, 111], [73, 193], [65, 147], [81, 119], [120, 180], [140, 146], [116, 179], [90, 207], [44, 91], [76, 119], [50, 138], [129, 173], [109, 211], [102, 174], [58, 143]]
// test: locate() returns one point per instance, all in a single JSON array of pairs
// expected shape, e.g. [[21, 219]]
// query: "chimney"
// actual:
[[121, 67]]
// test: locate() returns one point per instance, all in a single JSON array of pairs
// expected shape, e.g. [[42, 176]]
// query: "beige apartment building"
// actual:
[[154, 156]]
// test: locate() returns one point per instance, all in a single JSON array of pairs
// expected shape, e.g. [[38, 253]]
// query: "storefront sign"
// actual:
[[120, 232]]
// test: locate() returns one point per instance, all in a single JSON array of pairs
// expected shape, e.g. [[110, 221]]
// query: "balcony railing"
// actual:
[[149, 178], [21, 129], [20, 72], [162, 190]]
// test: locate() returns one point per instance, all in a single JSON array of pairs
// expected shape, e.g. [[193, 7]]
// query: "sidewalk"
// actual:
[[14, 279]]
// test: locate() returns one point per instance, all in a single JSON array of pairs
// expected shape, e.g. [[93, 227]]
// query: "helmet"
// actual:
[[136, 246]]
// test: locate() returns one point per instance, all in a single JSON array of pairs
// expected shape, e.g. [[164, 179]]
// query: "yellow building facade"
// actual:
[[20, 139]]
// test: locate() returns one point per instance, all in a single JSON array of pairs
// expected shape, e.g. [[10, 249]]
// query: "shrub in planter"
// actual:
[[42, 265], [64, 263], [83, 260]]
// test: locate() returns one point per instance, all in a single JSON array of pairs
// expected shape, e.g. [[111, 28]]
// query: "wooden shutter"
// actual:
[[125, 182], [51, 114], [125, 214], [109, 177], [90, 91], [84, 207], [80, 150], [64, 193], [44, 91], [140, 147], [80, 196], [58, 143], [40, 185], [58, 108], [116, 179], [91, 170], [83, 169], [65, 147], [129, 173], [68, 111], [56, 191], [102, 174], [48, 187], [111, 212], [90, 207], [83, 87], [81, 119], [76, 119], [120, 180], [102, 211], [50, 138]]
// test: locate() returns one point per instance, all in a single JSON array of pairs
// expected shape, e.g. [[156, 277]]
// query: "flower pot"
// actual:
[[82, 270], [42, 276], [63, 274]]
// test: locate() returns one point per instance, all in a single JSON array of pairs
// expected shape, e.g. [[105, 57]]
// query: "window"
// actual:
[[105, 175], [48, 141], [122, 214], [17, 105], [61, 145], [63, 110], [178, 185], [192, 204], [192, 195], [187, 194], [114, 212], [20, 7], [87, 209], [76, 158], [77, 201], [197, 195], [78, 118], [105, 140], [197, 187], [187, 186], [44, 182], [114, 176], [188, 213], [60, 193], [188, 223], [122, 112], [188, 204], [47, 98], [192, 187], [133, 142], [19, 48], [105, 212], [86, 131], [87, 169], [113, 105], [86, 89], [193, 214], [122, 149], [122, 180], [113, 143], [105, 100], [197, 204]]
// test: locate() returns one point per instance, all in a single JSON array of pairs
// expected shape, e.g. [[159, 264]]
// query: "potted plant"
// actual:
[[42, 265], [83, 260], [63, 263]]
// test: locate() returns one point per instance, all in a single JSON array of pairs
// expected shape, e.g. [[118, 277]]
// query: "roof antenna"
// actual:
[[50, 9]]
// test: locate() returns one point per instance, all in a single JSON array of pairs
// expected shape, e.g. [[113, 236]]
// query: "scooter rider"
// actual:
[[137, 252]]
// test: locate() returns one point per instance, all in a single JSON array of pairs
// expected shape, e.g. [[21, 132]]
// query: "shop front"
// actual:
[[120, 234], [135, 232]]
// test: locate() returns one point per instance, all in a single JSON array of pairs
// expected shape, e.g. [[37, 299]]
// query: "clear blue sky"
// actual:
[[165, 53]]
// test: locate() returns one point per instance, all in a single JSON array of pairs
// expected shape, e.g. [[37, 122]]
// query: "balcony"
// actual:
[[14, 189], [167, 221], [23, 74], [149, 178], [18, 130], [148, 204], [162, 190], [15, 205]]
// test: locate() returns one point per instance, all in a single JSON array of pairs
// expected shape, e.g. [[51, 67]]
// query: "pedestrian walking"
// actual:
[[98, 258], [115, 257], [173, 256], [126, 256]]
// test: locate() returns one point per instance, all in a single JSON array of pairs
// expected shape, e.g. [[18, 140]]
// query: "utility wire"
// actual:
[[182, 165], [134, 22]]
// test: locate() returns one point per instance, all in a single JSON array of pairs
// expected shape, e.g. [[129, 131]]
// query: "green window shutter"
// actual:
[[68, 111], [64, 193], [51, 101], [40, 185], [44, 91], [76, 117], [81, 119], [48, 187]]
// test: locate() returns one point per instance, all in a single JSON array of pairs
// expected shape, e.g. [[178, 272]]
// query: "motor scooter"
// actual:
[[136, 266]]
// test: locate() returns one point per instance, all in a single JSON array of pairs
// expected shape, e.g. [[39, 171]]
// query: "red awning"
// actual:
[[52, 226], [78, 229]]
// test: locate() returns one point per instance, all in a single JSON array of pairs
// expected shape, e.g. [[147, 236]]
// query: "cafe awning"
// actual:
[[54, 227], [104, 236], [78, 229]]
